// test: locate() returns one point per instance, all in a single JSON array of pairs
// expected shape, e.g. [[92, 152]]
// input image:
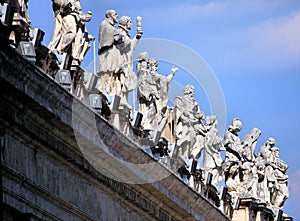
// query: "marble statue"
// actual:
[[249, 143], [281, 191], [69, 34], [233, 146], [266, 172], [115, 69], [241, 175], [125, 79], [115, 52], [82, 39], [232, 143], [20, 23], [187, 116], [148, 94], [249, 175], [108, 53], [195, 153], [273, 188], [212, 161], [22, 9], [65, 26], [57, 5], [164, 84], [153, 93]]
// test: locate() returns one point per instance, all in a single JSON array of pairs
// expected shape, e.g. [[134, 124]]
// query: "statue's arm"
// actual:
[[172, 74]]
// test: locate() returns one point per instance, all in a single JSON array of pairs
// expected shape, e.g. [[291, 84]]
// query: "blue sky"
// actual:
[[252, 46]]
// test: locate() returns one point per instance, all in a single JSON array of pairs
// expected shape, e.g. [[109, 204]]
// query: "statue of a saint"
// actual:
[[233, 157], [21, 21], [187, 116], [153, 93], [109, 54], [273, 188], [125, 79], [22, 9], [266, 172], [249, 176], [82, 39], [69, 34], [212, 161], [281, 191]]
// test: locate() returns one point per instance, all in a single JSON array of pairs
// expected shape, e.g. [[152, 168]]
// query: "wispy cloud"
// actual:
[[242, 33], [270, 44], [223, 9], [278, 38], [192, 9]]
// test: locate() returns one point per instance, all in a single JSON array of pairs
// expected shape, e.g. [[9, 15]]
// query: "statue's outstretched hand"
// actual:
[[174, 69]]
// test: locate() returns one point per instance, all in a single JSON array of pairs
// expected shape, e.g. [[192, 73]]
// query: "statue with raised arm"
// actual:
[[249, 143], [125, 79], [148, 94], [153, 94], [164, 84]]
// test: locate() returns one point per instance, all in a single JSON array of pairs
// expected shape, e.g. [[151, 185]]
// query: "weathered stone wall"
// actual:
[[54, 189], [45, 173]]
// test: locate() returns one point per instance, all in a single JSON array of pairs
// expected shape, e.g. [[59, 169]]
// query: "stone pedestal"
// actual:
[[247, 211], [120, 119], [250, 210]]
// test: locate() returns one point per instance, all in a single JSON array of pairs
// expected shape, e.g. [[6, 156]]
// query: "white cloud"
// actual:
[[278, 38], [199, 9], [271, 44], [224, 9], [248, 32]]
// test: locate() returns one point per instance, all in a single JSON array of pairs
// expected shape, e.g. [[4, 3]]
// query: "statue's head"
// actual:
[[236, 125], [211, 119], [189, 89], [143, 59], [143, 56], [271, 141], [125, 23], [112, 14]]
